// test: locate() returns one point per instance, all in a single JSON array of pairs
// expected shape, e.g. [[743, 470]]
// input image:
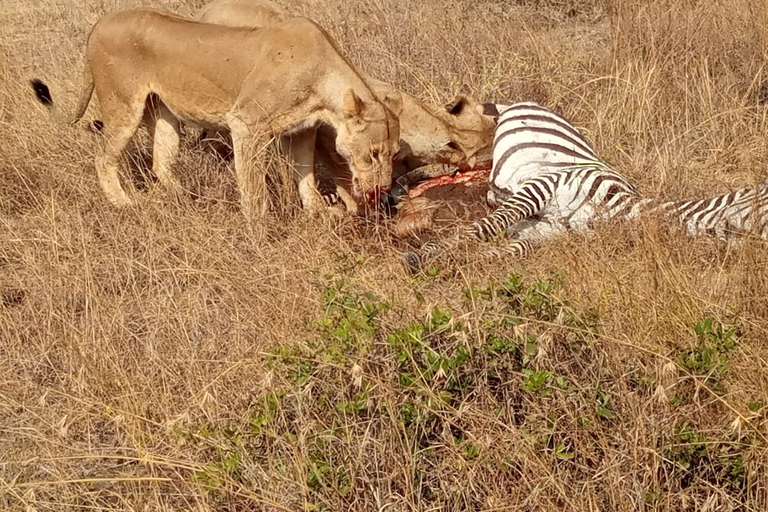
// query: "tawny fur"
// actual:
[[254, 83], [459, 135]]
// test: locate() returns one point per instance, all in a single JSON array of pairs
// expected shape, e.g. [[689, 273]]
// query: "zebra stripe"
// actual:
[[531, 139], [330, 198], [547, 180]]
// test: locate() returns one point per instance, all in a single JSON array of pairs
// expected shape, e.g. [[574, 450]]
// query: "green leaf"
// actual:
[[536, 381], [562, 453], [605, 413]]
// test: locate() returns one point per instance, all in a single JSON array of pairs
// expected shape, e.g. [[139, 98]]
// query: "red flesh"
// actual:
[[460, 176]]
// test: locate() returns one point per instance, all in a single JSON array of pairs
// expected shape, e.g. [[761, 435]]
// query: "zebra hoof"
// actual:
[[411, 262]]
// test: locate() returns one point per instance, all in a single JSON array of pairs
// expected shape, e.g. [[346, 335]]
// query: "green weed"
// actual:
[[708, 357]]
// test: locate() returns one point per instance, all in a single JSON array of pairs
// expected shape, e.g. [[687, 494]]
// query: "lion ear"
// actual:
[[394, 102], [457, 106], [353, 105], [490, 109]]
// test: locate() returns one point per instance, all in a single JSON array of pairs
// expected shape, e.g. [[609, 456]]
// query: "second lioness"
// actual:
[[460, 135], [254, 83]]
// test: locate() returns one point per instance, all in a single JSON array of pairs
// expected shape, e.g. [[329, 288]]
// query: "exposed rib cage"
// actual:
[[547, 180]]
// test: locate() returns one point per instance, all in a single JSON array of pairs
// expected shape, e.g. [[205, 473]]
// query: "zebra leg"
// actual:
[[529, 234], [532, 197], [416, 261], [330, 198], [431, 252], [514, 248]]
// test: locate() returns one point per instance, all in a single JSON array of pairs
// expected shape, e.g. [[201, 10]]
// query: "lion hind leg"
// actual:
[[249, 141], [121, 120], [166, 136]]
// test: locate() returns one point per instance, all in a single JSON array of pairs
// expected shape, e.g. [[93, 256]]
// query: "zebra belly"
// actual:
[[538, 229], [508, 181], [572, 215]]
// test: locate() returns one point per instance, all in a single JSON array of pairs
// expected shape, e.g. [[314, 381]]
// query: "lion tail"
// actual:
[[86, 91]]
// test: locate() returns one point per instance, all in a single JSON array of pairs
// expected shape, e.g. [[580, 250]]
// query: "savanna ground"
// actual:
[[167, 357]]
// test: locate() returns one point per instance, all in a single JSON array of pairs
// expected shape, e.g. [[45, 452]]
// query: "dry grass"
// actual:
[[167, 358]]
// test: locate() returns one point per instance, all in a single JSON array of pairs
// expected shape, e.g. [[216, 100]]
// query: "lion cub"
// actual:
[[255, 83]]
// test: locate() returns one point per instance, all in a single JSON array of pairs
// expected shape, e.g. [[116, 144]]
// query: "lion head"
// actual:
[[369, 138]]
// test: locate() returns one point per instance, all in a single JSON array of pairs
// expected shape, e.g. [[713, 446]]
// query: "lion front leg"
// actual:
[[350, 203], [300, 147], [165, 130]]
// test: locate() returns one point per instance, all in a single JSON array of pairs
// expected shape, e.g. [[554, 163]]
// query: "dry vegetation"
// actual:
[[167, 358]]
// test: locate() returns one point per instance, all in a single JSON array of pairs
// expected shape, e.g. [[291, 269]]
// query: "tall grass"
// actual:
[[167, 357]]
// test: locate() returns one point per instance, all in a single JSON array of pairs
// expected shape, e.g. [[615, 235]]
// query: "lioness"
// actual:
[[254, 83], [459, 135]]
